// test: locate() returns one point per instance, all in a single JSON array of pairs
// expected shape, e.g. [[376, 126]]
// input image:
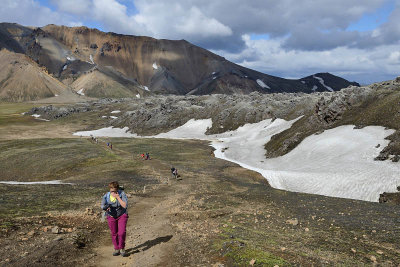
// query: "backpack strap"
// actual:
[[107, 197]]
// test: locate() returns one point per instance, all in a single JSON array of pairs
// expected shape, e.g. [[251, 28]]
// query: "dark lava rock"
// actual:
[[393, 198]]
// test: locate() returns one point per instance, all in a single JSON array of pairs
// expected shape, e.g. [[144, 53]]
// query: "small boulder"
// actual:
[[292, 222], [55, 230], [372, 258], [31, 233]]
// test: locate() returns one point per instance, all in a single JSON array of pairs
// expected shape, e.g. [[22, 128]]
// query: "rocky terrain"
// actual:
[[376, 104], [97, 64], [216, 214]]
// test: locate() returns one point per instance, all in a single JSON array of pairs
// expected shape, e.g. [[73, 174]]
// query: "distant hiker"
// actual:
[[174, 172], [108, 144], [142, 155], [115, 204], [111, 146], [147, 156]]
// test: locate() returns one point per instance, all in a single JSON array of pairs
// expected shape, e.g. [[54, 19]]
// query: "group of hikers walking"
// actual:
[[94, 139], [145, 156], [115, 208]]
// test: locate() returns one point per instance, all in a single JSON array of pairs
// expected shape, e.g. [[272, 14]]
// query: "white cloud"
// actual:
[[394, 58], [78, 7], [196, 23], [360, 65], [29, 13]]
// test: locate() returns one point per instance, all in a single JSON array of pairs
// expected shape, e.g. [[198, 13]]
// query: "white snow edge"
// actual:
[[262, 84]]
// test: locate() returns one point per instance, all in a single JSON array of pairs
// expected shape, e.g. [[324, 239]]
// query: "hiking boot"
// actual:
[[116, 252], [123, 253]]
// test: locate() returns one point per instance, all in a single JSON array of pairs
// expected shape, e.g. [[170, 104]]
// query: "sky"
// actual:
[[357, 40]]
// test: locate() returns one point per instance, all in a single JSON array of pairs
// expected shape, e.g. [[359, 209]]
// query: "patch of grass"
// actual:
[[32, 200], [239, 253], [11, 113], [42, 159]]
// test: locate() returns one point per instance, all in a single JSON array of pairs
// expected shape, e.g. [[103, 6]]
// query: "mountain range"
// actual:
[[81, 62]]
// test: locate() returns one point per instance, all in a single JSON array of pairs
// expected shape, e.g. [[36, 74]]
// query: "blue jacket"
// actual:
[[116, 210]]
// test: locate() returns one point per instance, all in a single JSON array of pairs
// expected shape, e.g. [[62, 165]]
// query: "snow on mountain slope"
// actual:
[[322, 82], [338, 162]]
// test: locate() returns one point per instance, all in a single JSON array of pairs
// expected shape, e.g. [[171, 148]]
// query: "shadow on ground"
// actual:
[[149, 244]]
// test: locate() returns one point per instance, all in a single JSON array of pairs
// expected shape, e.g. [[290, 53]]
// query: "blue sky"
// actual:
[[358, 40], [371, 20]]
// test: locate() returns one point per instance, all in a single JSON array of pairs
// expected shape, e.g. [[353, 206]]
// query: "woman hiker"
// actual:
[[115, 204]]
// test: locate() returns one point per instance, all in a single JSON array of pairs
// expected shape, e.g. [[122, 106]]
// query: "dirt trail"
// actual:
[[150, 237]]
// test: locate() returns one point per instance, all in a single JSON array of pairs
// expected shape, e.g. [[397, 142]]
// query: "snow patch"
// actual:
[[146, 88], [91, 59], [55, 95], [314, 88], [213, 73], [104, 117], [192, 129], [115, 111], [262, 84], [321, 81], [303, 82], [113, 117], [34, 183], [137, 96], [155, 66], [37, 116], [65, 67], [339, 162], [80, 92], [108, 132]]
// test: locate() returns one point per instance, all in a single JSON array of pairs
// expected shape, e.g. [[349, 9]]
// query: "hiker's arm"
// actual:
[[123, 200], [103, 202]]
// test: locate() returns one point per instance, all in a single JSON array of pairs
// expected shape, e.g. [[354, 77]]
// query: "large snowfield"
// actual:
[[338, 162]]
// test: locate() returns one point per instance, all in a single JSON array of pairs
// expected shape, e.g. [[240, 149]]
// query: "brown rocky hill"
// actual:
[[137, 64], [21, 79]]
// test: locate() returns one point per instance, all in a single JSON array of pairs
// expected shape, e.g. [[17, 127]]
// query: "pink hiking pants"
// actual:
[[118, 230]]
